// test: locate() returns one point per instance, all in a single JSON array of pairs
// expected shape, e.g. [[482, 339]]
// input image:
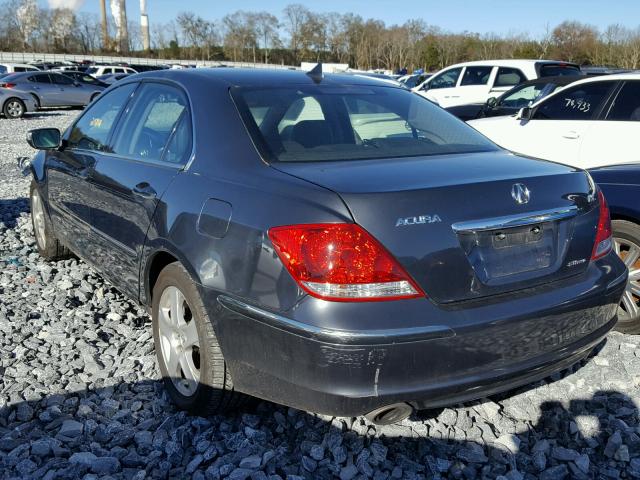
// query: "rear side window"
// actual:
[[92, 131], [155, 115], [626, 107], [3, 69], [476, 76], [508, 77], [446, 79], [40, 78], [577, 103], [20, 69]]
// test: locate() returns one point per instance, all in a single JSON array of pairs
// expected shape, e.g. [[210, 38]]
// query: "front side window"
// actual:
[[508, 77], [61, 79], [150, 122], [447, 79], [626, 107], [327, 123], [3, 69], [92, 130], [577, 103], [476, 76]]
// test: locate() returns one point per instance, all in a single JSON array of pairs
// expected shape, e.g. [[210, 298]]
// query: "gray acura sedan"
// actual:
[[333, 243]]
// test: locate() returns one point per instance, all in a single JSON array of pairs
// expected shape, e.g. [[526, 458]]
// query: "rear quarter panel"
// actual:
[[621, 188]]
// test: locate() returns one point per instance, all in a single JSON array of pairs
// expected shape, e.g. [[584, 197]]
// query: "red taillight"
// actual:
[[603, 243], [341, 262], [7, 85]]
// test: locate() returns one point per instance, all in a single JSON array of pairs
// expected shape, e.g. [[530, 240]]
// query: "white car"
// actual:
[[476, 82], [17, 68], [590, 123], [99, 70]]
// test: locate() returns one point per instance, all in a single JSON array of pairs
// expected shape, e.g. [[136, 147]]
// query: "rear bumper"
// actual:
[[459, 354]]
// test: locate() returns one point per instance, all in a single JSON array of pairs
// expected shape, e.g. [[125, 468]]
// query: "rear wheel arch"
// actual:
[[37, 100], [155, 264]]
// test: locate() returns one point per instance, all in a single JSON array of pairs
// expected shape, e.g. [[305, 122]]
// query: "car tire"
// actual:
[[626, 236], [195, 374], [36, 101], [49, 247], [14, 108]]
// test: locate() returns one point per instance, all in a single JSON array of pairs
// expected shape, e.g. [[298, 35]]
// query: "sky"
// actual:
[[497, 16]]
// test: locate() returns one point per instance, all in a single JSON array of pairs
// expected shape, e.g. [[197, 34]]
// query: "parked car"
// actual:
[[14, 104], [621, 187], [99, 70], [326, 242], [17, 67], [50, 89], [112, 78], [476, 82], [510, 102], [589, 123], [413, 80], [85, 78], [147, 68]]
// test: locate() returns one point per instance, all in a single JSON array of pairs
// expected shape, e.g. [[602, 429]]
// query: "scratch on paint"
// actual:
[[375, 382]]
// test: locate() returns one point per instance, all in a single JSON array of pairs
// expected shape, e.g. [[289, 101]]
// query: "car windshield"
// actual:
[[91, 70], [322, 123], [13, 77]]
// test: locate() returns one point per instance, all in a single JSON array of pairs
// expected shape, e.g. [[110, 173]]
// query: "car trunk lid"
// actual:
[[454, 225]]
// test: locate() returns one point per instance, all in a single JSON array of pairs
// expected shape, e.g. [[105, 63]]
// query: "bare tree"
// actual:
[[266, 26]]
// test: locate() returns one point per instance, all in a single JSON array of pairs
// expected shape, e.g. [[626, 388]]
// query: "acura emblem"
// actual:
[[520, 193]]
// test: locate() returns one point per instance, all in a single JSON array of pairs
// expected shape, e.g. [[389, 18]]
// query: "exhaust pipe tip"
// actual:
[[390, 414]]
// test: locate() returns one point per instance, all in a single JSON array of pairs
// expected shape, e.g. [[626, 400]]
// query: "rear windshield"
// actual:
[[553, 70], [327, 123]]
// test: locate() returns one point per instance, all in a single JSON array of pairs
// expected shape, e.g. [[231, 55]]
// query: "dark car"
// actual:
[[112, 78], [85, 78], [621, 187], [510, 102], [51, 89], [333, 243]]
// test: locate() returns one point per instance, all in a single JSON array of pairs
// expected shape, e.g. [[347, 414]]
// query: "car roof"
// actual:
[[263, 77], [509, 63]]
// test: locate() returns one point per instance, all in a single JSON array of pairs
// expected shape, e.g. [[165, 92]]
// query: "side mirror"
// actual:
[[492, 102], [524, 113], [44, 138]]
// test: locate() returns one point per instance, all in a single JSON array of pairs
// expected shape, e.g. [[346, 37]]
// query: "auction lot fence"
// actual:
[[24, 57]]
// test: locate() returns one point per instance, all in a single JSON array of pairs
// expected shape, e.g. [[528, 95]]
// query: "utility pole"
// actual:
[[105, 28], [144, 24]]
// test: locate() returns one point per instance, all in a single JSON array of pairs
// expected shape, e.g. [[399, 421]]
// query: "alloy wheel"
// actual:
[[14, 109], [37, 218], [629, 252], [179, 341]]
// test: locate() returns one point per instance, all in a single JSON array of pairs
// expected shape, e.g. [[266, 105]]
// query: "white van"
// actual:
[[475, 82], [98, 70], [17, 67]]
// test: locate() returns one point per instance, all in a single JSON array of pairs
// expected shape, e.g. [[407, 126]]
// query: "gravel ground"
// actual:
[[80, 397]]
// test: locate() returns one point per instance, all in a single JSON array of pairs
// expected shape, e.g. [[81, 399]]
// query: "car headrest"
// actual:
[[311, 133]]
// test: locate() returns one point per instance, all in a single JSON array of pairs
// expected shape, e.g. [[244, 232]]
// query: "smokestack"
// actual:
[[105, 28], [119, 12], [144, 24]]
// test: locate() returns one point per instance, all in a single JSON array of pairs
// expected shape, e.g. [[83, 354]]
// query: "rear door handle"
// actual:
[[144, 190], [571, 135]]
